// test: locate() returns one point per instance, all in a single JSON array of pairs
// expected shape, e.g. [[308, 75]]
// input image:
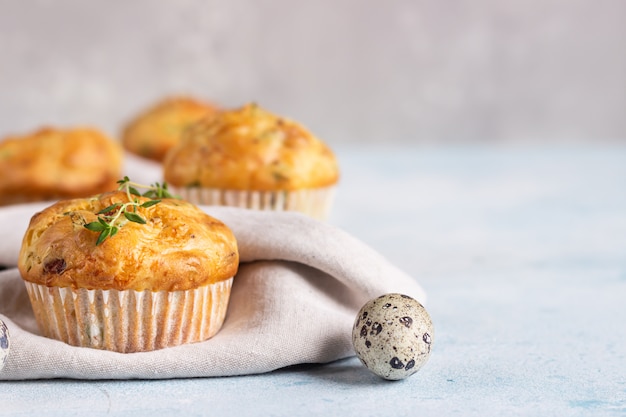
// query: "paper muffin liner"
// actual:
[[315, 202], [129, 321]]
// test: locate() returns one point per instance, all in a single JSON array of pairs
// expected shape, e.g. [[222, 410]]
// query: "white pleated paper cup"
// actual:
[[314, 202], [129, 321]]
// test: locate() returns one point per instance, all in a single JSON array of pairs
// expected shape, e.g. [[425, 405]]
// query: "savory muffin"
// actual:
[[128, 273], [53, 163], [157, 129], [249, 157]]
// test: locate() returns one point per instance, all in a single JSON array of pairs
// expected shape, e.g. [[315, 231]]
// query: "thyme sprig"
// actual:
[[109, 218]]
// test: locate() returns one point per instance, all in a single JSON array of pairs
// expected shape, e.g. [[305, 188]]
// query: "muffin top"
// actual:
[[53, 163], [157, 129], [250, 149], [178, 248]]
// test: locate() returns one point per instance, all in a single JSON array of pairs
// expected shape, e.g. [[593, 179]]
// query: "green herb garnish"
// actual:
[[110, 218]]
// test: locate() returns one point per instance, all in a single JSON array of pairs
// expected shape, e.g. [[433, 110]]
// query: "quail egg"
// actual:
[[393, 336], [4, 344]]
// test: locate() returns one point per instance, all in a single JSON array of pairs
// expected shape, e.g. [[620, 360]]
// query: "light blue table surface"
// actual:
[[523, 255]]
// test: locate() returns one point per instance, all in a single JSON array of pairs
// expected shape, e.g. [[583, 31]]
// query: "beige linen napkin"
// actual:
[[294, 300]]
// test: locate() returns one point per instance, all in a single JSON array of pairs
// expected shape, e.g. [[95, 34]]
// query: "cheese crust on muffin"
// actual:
[[159, 128], [250, 149], [179, 248], [53, 163]]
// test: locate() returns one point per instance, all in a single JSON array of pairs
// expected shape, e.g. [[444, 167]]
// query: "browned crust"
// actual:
[[179, 248], [157, 129], [250, 149], [53, 163]]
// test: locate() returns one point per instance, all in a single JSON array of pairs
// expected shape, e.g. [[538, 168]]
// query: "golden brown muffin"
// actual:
[[179, 248], [156, 130], [259, 154], [53, 163], [151, 285]]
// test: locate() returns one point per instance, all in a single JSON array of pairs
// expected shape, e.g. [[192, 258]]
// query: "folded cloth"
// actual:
[[294, 300]]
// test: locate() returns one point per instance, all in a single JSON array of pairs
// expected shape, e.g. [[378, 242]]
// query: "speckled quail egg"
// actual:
[[4, 344], [393, 336]]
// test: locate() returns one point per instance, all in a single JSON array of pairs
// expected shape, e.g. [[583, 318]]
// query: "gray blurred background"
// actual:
[[420, 71]]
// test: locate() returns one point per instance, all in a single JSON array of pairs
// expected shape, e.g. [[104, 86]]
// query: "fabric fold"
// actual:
[[299, 287]]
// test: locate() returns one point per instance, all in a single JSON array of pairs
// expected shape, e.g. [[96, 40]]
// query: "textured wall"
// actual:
[[429, 71]]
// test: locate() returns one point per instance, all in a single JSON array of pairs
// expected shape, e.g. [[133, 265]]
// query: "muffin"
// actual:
[[53, 163], [154, 131], [251, 158], [148, 285]]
